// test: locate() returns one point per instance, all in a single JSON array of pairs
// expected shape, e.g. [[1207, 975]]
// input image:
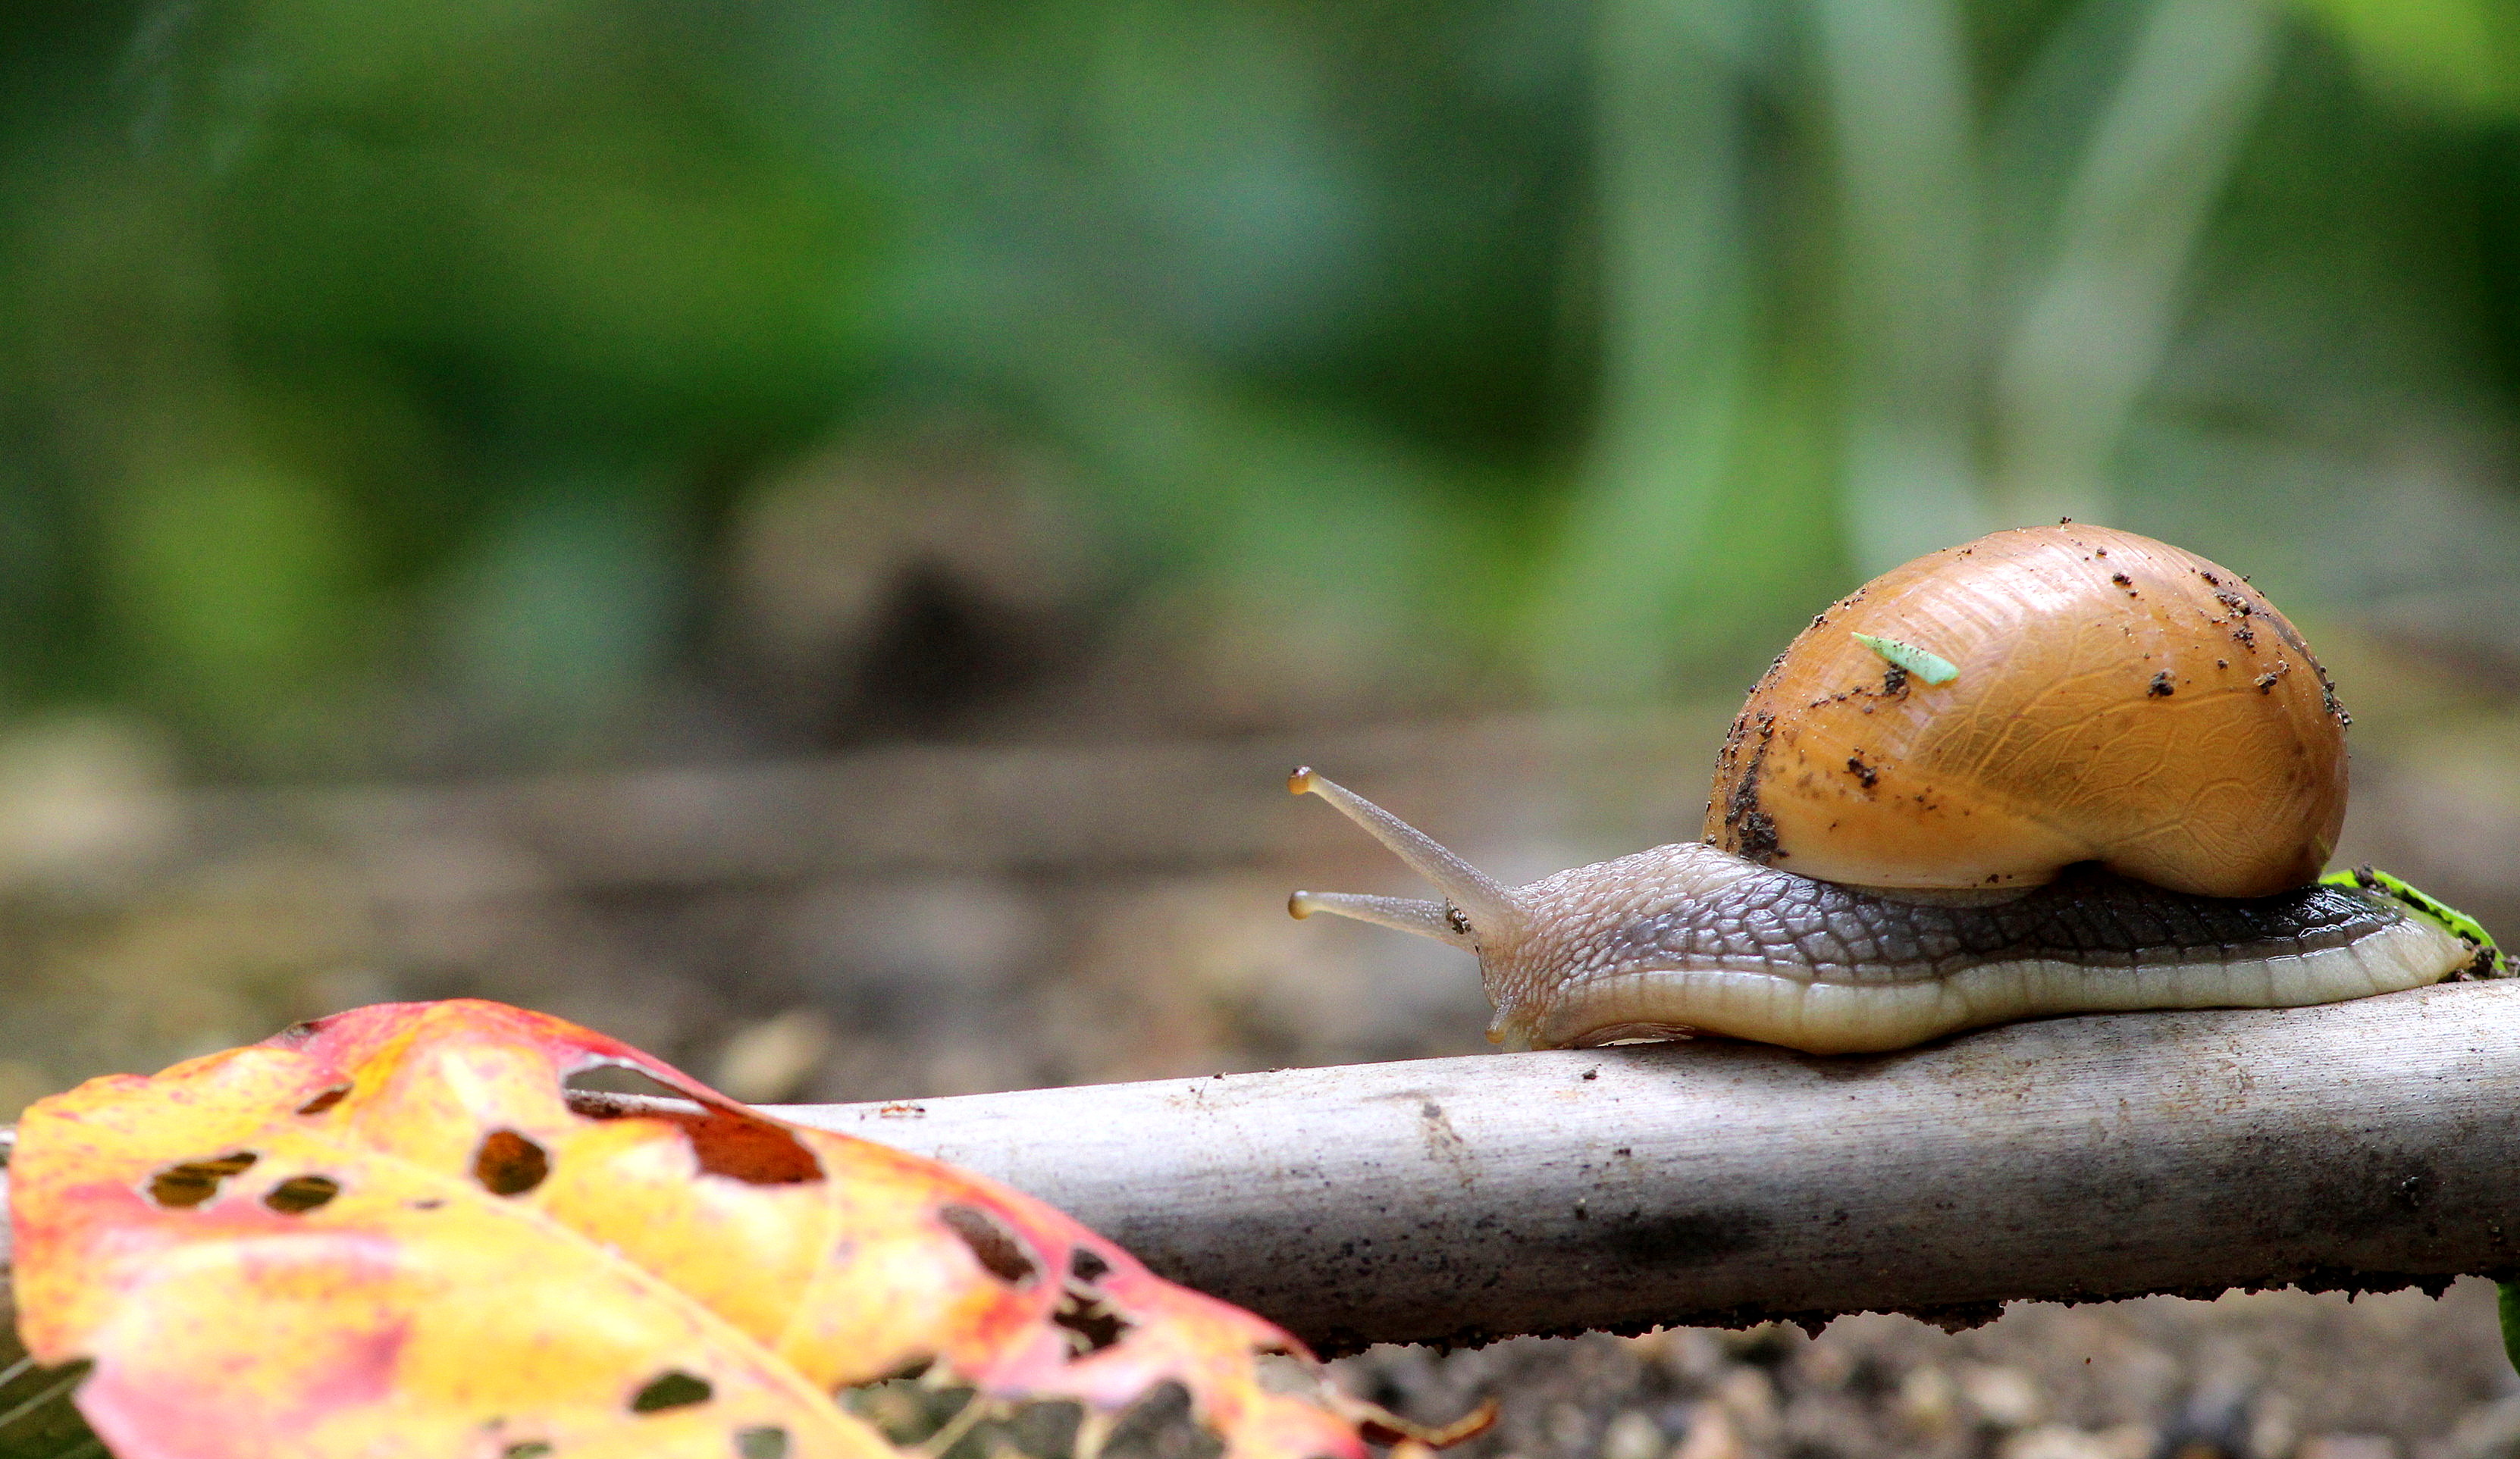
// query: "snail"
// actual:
[[2058, 770]]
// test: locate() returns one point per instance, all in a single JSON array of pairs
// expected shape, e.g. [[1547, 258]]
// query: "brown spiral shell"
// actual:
[[2118, 700]]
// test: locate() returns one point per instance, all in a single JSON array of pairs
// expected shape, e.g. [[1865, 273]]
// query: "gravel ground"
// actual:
[[2272, 1375]]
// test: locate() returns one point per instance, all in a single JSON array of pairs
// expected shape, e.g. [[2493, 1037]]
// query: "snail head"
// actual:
[[1528, 940]]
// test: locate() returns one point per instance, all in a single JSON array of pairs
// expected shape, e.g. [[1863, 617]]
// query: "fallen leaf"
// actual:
[[395, 1230]]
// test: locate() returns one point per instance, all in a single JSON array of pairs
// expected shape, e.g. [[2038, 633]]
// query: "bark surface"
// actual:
[[2366, 1145]]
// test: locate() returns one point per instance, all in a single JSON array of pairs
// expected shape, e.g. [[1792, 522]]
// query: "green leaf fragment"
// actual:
[[2491, 961], [1932, 667]]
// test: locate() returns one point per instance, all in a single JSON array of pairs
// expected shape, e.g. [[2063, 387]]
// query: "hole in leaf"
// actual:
[[999, 1251], [324, 1101], [769, 1441], [195, 1182], [1046, 1430], [1092, 1325], [754, 1151], [724, 1142], [905, 1412], [955, 1422], [1162, 1426], [1087, 1265], [531, 1449], [614, 1078], [301, 1193], [509, 1164], [671, 1389]]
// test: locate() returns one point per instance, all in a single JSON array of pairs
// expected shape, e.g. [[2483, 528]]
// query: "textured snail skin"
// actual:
[[1693, 939], [2117, 700]]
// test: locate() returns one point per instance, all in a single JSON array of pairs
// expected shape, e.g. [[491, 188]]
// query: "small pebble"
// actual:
[[1711, 1436], [1634, 1434], [2003, 1396], [2064, 1441]]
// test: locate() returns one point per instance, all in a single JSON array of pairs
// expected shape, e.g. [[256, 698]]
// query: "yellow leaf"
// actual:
[[396, 1231]]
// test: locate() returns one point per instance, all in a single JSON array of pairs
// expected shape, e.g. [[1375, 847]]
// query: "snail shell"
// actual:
[[2116, 700], [2064, 770]]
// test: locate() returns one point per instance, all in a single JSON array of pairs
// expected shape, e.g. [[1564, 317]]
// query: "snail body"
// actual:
[[2058, 770]]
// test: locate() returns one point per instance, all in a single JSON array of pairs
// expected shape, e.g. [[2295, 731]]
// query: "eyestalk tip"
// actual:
[[1300, 906], [1489, 906]]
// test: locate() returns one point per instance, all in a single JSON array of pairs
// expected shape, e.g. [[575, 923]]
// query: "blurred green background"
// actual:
[[804, 533], [422, 388]]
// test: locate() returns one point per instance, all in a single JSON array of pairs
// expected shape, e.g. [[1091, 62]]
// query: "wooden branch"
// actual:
[[2368, 1145]]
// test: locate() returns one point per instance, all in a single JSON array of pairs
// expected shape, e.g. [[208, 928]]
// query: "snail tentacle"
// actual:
[[1400, 914], [1492, 913]]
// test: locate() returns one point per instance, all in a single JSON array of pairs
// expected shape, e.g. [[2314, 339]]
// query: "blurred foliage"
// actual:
[[400, 385]]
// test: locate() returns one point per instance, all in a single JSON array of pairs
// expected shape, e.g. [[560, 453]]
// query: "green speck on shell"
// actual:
[[1932, 667]]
